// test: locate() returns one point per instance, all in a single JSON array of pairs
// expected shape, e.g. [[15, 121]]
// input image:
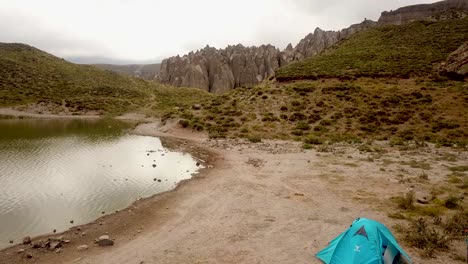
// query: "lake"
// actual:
[[55, 171]]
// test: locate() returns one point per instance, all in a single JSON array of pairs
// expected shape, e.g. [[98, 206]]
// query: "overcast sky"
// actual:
[[125, 31]]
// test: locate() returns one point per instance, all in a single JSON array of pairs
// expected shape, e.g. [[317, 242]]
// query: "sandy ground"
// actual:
[[270, 202]]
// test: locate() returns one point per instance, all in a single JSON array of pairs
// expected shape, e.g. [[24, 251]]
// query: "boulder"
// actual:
[[105, 242], [27, 240], [457, 63]]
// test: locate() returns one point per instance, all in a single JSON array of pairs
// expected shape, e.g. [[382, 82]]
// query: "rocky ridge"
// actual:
[[220, 70]]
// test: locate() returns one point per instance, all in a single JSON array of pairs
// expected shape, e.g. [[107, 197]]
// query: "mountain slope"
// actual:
[[29, 75], [143, 71], [408, 50]]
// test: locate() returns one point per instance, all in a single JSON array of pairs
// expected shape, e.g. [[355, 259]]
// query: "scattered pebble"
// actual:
[[58, 250], [11, 241], [21, 250], [82, 247], [28, 255], [71, 221], [55, 231], [154, 165]]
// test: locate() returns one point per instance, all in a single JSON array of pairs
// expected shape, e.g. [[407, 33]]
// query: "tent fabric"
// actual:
[[365, 242]]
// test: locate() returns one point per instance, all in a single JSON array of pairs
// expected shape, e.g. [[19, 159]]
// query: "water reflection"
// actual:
[[53, 171]]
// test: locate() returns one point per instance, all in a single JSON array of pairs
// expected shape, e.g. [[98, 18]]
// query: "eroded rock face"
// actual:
[[457, 63], [425, 11], [221, 70]]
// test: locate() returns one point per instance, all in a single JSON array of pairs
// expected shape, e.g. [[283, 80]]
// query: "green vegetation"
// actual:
[[28, 75], [403, 51], [350, 111]]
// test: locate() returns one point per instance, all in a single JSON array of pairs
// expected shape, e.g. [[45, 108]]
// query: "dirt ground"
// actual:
[[269, 202]]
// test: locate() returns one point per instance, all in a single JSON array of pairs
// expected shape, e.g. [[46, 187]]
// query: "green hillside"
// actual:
[[30, 75], [397, 51]]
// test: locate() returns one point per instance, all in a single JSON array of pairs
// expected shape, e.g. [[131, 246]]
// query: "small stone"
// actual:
[[83, 234], [103, 212], [11, 241], [58, 250], [21, 250], [66, 241], [104, 237], [105, 242], [78, 229], [154, 179], [55, 244], [27, 240], [82, 247], [198, 164], [55, 231], [147, 154], [159, 180], [154, 165], [37, 244], [28, 256], [71, 221], [299, 194], [196, 106]]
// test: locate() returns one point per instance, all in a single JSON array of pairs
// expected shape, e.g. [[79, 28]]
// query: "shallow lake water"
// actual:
[[55, 171]]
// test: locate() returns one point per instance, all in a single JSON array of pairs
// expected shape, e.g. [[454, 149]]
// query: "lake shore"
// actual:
[[270, 202]]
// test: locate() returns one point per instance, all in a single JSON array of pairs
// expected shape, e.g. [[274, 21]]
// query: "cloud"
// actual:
[[144, 30]]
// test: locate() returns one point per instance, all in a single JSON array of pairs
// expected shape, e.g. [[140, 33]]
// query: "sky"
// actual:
[[147, 31]]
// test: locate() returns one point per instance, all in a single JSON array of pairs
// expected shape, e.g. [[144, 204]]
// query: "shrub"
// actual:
[[421, 235], [406, 201], [451, 202], [311, 139], [303, 126], [307, 146], [184, 123], [254, 138]]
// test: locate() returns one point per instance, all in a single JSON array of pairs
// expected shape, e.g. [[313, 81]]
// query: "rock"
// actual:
[[82, 247], [435, 11], [28, 255], [198, 164], [219, 71], [58, 250], [196, 106], [71, 221], [103, 237], [11, 241], [27, 240], [456, 66], [66, 241], [422, 197], [159, 180], [154, 165], [55, 244], [21, 250], [105, 242], [38, 244]]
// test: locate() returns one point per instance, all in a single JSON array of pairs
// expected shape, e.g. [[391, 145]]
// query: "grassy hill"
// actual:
[[380, 85], [318, 112], [143, 71], [29, 75], [398, 51]]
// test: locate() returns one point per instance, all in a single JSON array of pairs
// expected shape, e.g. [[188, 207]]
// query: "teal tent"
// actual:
[[365, 242]]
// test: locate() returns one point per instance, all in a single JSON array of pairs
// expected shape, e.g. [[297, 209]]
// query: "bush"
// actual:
[[307, 146], [406, 201], [303, 126], [420, 235], [254, 138], [184, 123], [311, 139], [451, 202]]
